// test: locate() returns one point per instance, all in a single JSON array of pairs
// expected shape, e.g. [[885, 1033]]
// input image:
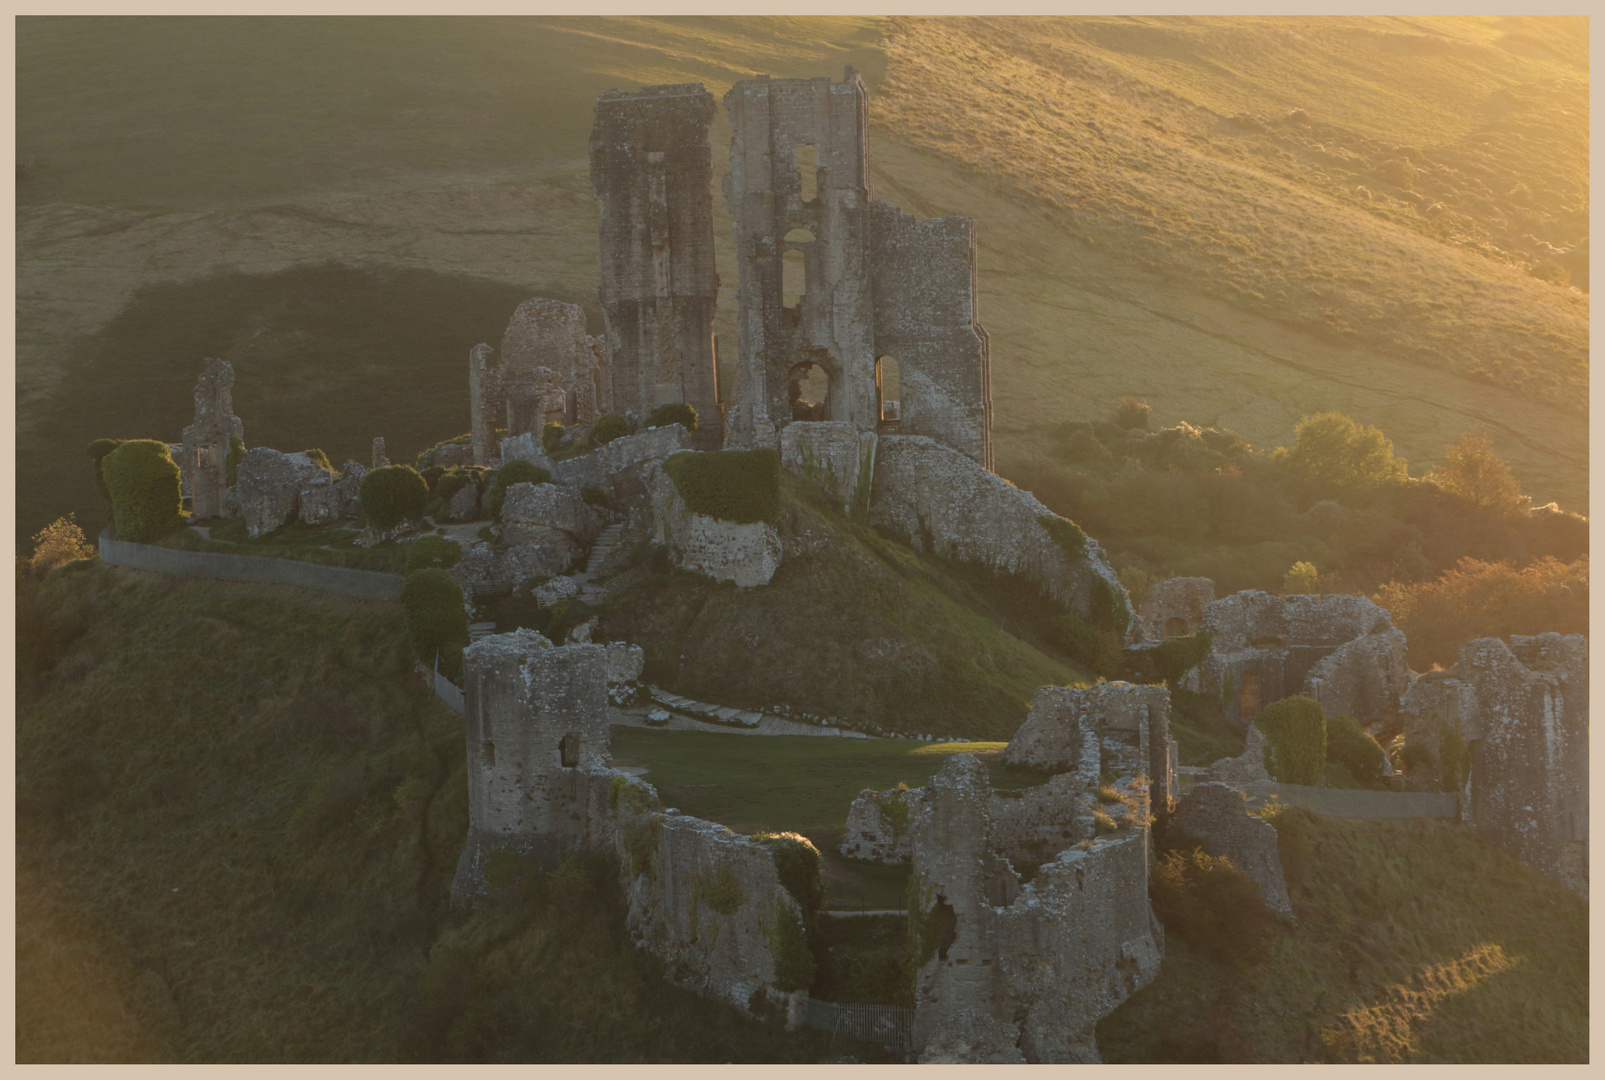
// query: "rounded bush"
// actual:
[[609, 426], [517, 471], [1350, 745], [436, 619], [677, 412], [143, 483], [392, 494], [433, 552], [551, 435], [1295, 729]]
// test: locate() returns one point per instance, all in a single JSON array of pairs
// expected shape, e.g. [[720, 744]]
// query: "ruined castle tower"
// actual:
[[204, 457], [652, 173], [836, 283], [549, 370]]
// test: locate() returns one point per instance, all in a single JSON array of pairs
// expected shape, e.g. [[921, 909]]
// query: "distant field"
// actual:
[[262, 181]]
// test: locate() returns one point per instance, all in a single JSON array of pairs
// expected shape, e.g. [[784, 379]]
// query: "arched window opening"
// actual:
[[794, 267], [809, 392], [888, 389], [808, 172]]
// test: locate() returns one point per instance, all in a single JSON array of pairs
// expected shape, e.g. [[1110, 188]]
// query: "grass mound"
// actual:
[[1415, 942], [238, 814], [853, 625]]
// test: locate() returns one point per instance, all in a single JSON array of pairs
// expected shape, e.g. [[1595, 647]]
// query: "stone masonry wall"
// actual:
[[1217, 816], [1175, 600], [746, 554]]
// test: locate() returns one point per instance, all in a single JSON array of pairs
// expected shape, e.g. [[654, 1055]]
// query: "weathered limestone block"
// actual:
[[349, 487], [625, 662], [877, 825], [833, 454], [1116, 727], [1363, 678], [530, 511], [463, 505], [319, 501], [602, 465], [536, 715], [270, 485], [746, 554], [487, 571], [1216, 815], [526, 447], [1520, 709], [380, 460], [1246, 768], [559, 588], [1175, 608], [940, 499]]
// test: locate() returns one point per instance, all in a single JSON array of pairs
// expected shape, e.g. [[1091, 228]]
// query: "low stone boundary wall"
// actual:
[[360, 584], [1359, 803]]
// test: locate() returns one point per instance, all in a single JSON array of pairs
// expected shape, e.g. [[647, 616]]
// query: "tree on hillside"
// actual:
[[1480, 599], [1473, 470], [1337, 456]]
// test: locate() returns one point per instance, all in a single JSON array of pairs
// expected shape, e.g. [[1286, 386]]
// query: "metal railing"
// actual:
[[888, 1024]]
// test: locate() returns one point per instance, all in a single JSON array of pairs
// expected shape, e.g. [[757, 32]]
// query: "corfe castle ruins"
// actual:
[[862, 365]]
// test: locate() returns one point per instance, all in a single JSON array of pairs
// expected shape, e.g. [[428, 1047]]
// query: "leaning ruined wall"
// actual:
[[203, 455], [947, 504], [923, 279], [652, 174], [1522, 708], [1216, 815]]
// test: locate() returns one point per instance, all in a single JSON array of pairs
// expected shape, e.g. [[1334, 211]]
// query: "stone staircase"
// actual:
[[604, 546]]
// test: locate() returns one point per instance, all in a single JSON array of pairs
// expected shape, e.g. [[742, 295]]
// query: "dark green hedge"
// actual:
[[1350, 745], [517, 471], [675, 413], [145, 489], [97, 453], [1295, 729], [1176, 656], [436, 619], [458, 477], [609, 426], [393, 494], [432, 552], [734, 485]]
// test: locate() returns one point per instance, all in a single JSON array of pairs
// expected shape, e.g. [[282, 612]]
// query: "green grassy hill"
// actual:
[[1154, 218]]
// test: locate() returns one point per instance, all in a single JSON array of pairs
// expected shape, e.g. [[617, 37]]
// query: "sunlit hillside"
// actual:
[[1242, 221]]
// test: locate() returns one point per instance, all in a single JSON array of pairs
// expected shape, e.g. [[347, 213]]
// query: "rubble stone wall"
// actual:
[[747, 554], [1217, 816], [1175, 608]]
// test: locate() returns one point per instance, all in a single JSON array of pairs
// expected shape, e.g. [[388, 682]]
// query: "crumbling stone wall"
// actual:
[[1266, 648], [652, 173], [1216, 815], [1117, 727], [203, 457], [1016, 972], [601, 466], [270, 485], [944, 503], [549, 370], [1175, 608], [1520, 707], [876, 283], [836, 456]]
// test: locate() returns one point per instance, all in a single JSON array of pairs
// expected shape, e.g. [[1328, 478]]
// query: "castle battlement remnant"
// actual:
[[203, 460]]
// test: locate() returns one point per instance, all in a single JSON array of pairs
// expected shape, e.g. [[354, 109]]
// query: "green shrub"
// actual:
[[393, 494], [788, 945], [432, 552], [675, 413], [97, 453], [798, 865], [436, 619], [432, 477], [1301, 579], [1212, 905], [1176, 656], [1133, 414], [609, 426], [1350, 745], [1295, 731], [144, 485], [517, 471], [742, 486], [322, 459], [1335, 455], [563, 616], [551, 435], [1067, 534]]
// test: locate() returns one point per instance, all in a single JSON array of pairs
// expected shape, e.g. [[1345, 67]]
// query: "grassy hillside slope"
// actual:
[[1415, 942], [238, 817], [1196, 247]]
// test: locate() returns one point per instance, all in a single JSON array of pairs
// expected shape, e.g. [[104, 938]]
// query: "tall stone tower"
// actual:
[[652, 173]]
